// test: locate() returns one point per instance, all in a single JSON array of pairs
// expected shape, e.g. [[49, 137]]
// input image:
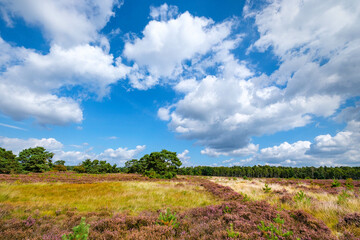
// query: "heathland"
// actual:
[[131, 206]]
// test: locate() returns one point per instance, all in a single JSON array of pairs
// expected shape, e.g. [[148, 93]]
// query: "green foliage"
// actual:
[[343, 197], [231, 233], [227, 210], [266, 188], [246, 197], [59, 162], [168, 219], [267, 171], [273, 232], [95, 167], [35, 159], [8, 162], [335, 183], [156, 165], [349, 184], [301, 197], [79, 169], [80, 232], [60, 168]]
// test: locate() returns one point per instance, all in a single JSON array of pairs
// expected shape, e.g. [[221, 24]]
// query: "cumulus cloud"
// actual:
[[184, 158], [114, 156], [67, 23], [241, 152], [340, 149], [17, 144], [121, 155], [36, 85], [317, 44], [168, 42]]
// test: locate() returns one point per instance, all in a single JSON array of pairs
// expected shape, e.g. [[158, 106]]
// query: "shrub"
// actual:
[[162, 164], [227, 209], [343, 197], [81, 232], [335, 183], [60, 168], [266, 188], [168, 219], [231, 232], [301, 197], [275, 231], [349, 184], [79, 169]]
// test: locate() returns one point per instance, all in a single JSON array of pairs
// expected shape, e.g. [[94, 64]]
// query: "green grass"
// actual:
[[130, 196]]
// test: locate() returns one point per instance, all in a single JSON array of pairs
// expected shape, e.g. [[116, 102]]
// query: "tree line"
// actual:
[[39, 160], [266, 171], [164, 164]]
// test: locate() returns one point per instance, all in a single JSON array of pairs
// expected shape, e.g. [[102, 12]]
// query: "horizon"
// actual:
[[242, 83]]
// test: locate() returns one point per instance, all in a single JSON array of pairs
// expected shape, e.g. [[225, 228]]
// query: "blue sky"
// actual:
[[222, 84]]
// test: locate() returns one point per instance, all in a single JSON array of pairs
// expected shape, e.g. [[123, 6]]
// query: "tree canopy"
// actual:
[[156, 165], [36, 159], [8, 162]]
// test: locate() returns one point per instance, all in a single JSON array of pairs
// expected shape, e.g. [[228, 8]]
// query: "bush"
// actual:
[[60, 168], [231, 232], [349, 184], [343, 197], [301, 197], [79, 169], [273, 232], [81, 232], [335, 183], [162, 164], [168, 219], [266, 188]]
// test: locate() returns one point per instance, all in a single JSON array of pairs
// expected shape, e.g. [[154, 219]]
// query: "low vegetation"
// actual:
[[319, 199], [40, 199], [128, 206]]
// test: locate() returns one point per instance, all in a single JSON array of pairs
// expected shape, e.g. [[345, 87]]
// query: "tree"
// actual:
[[156, 165], [8, 162], [36, 159], [59, 165]]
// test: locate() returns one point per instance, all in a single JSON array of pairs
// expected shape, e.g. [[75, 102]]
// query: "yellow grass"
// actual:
[[323, 206], [130, 196]]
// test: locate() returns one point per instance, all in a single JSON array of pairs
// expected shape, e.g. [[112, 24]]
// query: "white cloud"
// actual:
[[167, 43], [241, 152], [67, 23], [163, 114], [20, 103], [341, 149], [184, 158], [17, 144], [12, 126], [117, 156], [121, 155], [31, 82], [164, 12], [317, 44]]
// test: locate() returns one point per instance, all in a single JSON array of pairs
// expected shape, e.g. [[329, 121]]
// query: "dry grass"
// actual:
[[321, 205], [129, 196]]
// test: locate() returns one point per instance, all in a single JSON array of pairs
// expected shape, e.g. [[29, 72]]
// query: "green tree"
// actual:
[[162, 164], [36, 159], [8, 162]]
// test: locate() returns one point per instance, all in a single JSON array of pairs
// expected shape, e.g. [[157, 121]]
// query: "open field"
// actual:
[[315, 197], [130, 196], [128, 206]]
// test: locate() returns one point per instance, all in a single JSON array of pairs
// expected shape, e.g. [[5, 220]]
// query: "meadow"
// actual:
[[130, 206]]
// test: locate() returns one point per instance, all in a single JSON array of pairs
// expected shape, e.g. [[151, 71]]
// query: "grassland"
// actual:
[[130, 196], [128, 206], [327, 206]]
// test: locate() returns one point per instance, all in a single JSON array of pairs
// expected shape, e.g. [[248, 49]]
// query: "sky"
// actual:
[[222, 83]]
